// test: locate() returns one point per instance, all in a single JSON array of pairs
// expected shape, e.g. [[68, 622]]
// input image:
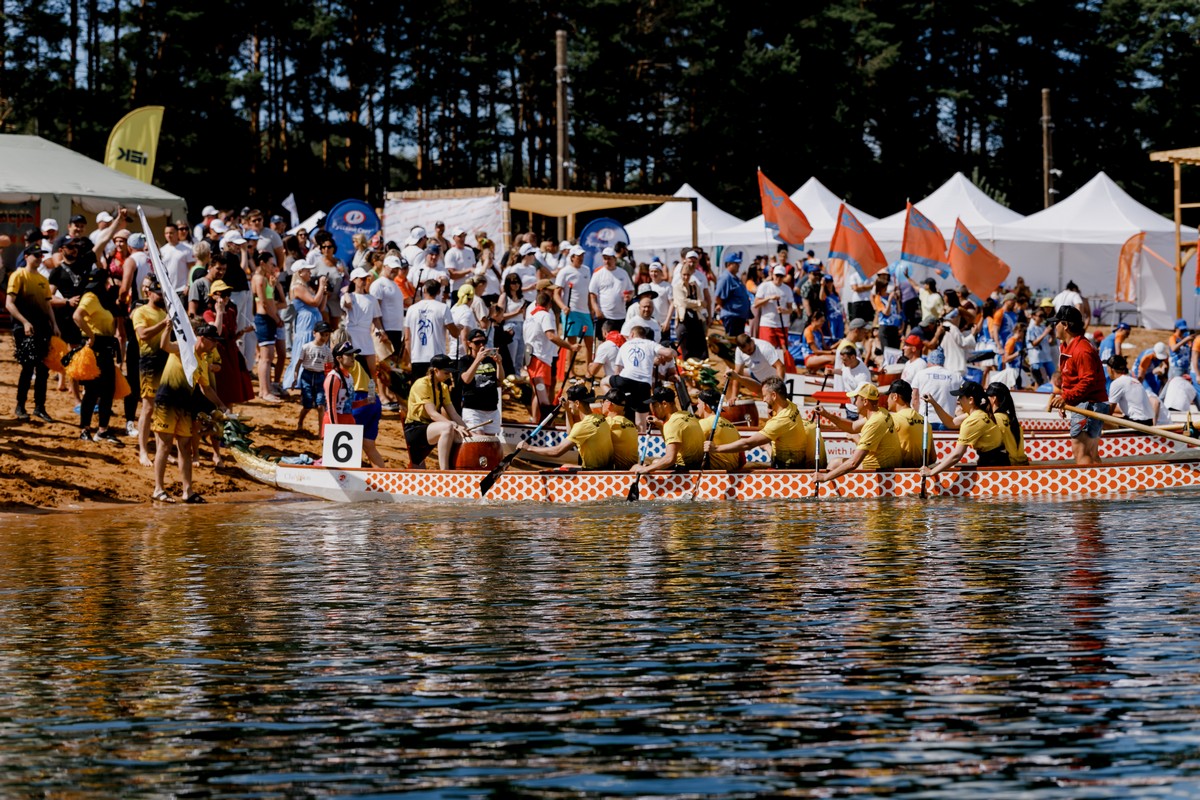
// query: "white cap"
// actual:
[[104, 216], [418, 232], [393, 262], [608, 251], [458, 232], [218, 226], [49, 225], [1161, 352], [692, 254], [576, 250], [359, 272], [656, 265], [233, 237], [209, 211], [780, 269], [527, 249], [299, 265], [564, 245]]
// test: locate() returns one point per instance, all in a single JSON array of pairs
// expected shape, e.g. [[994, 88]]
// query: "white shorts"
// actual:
[[473, 416]]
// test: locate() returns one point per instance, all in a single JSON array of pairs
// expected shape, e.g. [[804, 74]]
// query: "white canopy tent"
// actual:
[[62, 183], [668, 228], [819, 205], [954, 199], [1080, 238]]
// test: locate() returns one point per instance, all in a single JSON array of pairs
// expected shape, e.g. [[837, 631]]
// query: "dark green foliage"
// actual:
[[880, 99]]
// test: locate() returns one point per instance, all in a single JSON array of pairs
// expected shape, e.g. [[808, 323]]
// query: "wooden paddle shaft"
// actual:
[[1136, 426]]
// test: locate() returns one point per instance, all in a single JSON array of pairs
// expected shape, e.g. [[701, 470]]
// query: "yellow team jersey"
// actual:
[[793, 441], [148, 316], [98, 318], [625, 442], [593, 438], [683, 429], [878, 438], [1014, 447], [910, 430], [30, 289], [726, 433], [422, 393], [980, 432], [360, 378]]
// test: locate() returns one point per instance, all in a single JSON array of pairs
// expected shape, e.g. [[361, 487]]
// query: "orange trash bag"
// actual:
[[120, 386], [83, 366], [58, 349]]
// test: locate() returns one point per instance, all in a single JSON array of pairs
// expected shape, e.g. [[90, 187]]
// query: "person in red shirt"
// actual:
[[1082, 384]]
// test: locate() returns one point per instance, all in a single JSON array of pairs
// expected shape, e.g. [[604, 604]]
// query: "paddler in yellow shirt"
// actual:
[[910, 426], [624, 431], [590, 436], [878, 446], [681, 435], [793, 440], [725, 433]]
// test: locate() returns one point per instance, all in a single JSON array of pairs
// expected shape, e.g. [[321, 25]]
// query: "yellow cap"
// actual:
[[868, 391]]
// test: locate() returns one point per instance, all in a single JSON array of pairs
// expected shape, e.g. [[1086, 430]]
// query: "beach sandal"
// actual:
[[161, 497], [194, 500]]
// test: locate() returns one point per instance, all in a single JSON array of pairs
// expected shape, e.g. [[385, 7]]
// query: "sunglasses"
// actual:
[[328, 247]]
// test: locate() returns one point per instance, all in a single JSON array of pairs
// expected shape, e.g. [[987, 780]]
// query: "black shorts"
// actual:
[[639, 393], [419, 448], [397, 340]]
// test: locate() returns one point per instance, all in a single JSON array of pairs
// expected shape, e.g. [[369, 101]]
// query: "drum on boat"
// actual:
[[743, 411], [478, 452]]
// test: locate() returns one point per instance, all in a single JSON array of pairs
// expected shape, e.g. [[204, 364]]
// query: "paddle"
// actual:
[[716, 424], [924, 451], [489, 480], [817, 456], [635, 488], [1137, 426]]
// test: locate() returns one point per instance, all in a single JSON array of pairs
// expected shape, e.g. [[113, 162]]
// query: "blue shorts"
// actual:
[[577, 323], [264, 329], [367, 416], [1081, 425], [312, 388]]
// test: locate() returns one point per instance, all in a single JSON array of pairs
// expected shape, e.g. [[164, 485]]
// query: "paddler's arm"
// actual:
[[562, 448], [666, 462], [844, 425], [952, 458], [743, 443], [943, 415], [844, 466]]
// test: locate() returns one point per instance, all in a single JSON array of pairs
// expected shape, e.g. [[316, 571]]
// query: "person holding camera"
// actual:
[[482, 374]]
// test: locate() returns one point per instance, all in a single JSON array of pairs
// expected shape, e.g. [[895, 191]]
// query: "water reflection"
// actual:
[[947, 648]]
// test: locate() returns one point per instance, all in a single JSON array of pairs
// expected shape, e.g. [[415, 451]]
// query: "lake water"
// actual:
[[951, 649]]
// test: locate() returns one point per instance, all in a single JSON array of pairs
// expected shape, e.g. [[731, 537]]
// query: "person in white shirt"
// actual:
[[642, 313], [541, 334], [605, 364], [663, 304], [1128, 393], [460, 259], [527, 270], [856, 292], [754, 361], [609, 289], [957, 342], [433, 269], [103, 220], [414, 249], [391, 313], [854, 373], [200, 231], [363, 317], [1070, 296], [1179, 394], [426, 324], [571, 289], [267, 240], [774, 302], [171, 233], [176, 263], [937, 381], [636, 361], [913, 347], [49, 234]]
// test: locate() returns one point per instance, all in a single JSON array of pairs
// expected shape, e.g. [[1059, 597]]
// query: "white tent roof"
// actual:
[[35, 168], [957, 198], [670, 225], [1100, 212], [819, 205]]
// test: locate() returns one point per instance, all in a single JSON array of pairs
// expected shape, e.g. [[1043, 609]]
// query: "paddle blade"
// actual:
[[635, 490], [489, 480]]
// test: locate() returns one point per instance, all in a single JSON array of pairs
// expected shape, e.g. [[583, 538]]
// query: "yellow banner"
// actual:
[[133, 143]]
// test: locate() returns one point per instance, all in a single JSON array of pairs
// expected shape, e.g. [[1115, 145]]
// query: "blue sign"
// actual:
[[599, 234], [346, 219]]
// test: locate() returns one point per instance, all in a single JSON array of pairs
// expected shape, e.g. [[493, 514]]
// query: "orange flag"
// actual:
[[853, 244], [781, 215], [923, 243], [1128, 266], [974, 265]]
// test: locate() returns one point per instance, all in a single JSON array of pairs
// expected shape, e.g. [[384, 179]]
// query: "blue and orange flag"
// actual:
[[923, 243], [975, 267], [853, 244], [781, 215]]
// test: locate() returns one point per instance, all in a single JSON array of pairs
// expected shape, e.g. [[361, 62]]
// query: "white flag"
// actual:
[[290, 204], [175, 310]]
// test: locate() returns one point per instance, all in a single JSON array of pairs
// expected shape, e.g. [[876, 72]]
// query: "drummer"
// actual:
[[482, 375], [878, 445], [624, 431], [724, 433], [432, 421], [590, 436], [793, 441], [754, 361]]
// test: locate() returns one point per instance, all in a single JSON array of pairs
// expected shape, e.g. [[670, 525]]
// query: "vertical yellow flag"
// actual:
[[133, 143]]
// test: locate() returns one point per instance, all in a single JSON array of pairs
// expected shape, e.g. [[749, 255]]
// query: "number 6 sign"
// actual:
[[342, 446]]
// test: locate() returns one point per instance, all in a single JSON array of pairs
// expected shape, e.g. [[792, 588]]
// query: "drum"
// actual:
[[478, 453], [742, 412]]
